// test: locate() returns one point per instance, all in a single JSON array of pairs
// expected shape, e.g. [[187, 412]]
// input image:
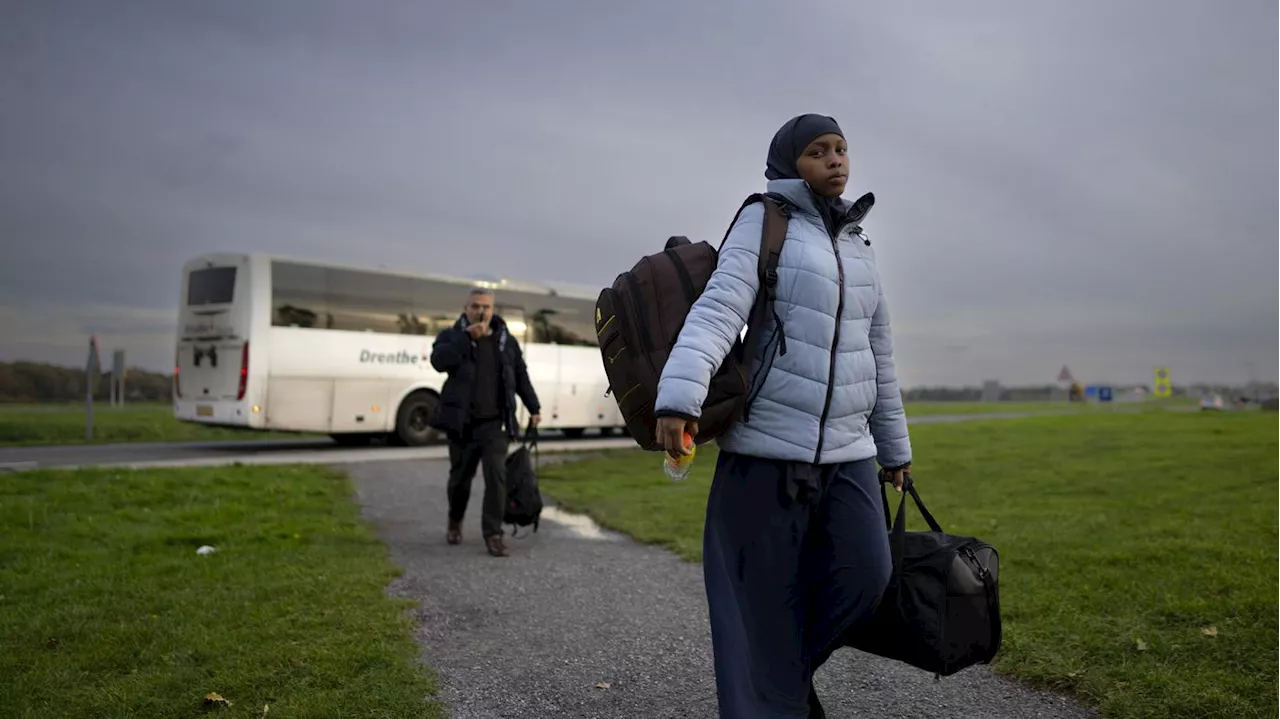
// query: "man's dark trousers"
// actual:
[[484, 443]]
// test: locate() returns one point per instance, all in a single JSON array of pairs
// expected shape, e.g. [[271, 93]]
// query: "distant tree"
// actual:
[[43, 382]]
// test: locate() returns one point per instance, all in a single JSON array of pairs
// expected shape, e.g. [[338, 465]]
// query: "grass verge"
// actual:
[[34, 425], [106, 610], [1139, 552]]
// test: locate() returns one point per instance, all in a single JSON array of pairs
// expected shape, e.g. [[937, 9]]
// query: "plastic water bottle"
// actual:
[[677, 468]]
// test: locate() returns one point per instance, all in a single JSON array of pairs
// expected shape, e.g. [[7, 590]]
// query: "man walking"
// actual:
[[477, 410]]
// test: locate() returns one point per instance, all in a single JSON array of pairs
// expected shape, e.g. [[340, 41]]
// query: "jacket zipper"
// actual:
[[835, 348]]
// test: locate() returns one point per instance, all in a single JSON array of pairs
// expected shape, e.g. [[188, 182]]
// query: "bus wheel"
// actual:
[[411, 419], [573, 432]]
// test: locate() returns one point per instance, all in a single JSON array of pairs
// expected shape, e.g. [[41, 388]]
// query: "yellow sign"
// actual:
[[1163, 385]]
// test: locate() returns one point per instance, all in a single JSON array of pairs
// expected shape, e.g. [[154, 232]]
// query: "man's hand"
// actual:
[[477, 330], [897, 476], [535, 420], [671, 431]]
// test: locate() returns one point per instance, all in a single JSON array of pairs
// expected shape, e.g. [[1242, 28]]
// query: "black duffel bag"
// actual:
[[941, 611], [524, 500]]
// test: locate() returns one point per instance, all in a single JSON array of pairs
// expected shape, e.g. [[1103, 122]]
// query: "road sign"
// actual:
[[1163, 386], [93, 365], [1065, 375], [92, 368], [117, 378], [1104, 394]]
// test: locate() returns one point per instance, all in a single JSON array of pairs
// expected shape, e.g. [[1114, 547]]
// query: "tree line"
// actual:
[[44, 382]]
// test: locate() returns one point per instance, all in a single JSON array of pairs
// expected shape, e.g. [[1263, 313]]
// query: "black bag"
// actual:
[[524, 501], [941, 612], [639, 318]]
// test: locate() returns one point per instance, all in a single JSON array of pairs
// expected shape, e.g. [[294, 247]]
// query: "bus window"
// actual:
[[553, 319], [409, 323], [562, 326], [297, 295], [437, 305], [367, 302], [211, 286], [514, 317]]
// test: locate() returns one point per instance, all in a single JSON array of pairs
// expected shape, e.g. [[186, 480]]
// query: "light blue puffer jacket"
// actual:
[[851, 381]]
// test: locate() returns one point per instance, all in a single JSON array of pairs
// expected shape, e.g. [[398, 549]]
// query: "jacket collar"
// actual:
[[799, 196]]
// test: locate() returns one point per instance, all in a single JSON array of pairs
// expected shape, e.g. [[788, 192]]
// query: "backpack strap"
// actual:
[[772, 237]]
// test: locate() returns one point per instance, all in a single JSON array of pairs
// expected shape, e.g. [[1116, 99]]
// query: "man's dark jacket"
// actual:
[[454, 354]]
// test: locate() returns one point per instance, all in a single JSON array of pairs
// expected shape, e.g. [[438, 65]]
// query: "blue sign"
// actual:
[[1104, 394], [1091, 391]]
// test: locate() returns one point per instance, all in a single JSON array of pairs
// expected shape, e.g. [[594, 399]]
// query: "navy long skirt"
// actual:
[[793, 556]]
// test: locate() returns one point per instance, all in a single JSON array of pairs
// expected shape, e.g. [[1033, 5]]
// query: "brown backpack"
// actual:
[[639, 318]]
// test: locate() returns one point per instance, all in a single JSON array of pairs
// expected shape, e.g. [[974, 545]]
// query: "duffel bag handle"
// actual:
[[530, 440], [899, 525], [898, 528]]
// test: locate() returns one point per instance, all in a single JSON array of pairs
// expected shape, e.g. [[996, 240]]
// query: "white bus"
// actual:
[[272, 343]]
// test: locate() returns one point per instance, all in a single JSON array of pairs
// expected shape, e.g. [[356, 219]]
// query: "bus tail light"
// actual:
[[244, 371], [177, 370]]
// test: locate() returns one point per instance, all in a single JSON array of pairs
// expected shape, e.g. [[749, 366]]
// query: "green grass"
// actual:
[[54, 424], [925, 409], [29, 425], [106, 610], [1125, 540]]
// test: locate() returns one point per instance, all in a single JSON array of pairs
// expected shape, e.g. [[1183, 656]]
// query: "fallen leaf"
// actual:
[[1209, 631], [216, 698], [603, 685], [1142, 646]]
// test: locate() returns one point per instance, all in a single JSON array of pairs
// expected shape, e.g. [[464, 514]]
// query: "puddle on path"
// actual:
[[579, 525]]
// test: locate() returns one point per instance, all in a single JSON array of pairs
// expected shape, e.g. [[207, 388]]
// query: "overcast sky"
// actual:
[[1082, 183]]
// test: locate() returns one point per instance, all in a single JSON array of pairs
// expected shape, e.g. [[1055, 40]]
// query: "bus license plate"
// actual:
[[204, 410]]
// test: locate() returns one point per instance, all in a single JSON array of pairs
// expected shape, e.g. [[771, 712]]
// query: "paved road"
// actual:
[[579, 622], [307, 451]]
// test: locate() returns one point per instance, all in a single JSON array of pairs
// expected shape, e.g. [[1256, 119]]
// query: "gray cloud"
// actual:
[[1084, 183]]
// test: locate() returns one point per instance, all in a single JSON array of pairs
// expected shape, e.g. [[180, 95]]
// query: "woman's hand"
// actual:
[[670, 432], [897, 476]]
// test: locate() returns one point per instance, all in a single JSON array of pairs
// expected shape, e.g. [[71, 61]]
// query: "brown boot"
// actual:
[[496, 546], [454, 535]]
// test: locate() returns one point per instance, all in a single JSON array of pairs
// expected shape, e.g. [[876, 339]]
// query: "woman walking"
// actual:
[[795, 551]]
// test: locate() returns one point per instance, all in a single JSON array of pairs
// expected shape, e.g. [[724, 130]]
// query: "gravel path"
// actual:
[[578, 622]]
